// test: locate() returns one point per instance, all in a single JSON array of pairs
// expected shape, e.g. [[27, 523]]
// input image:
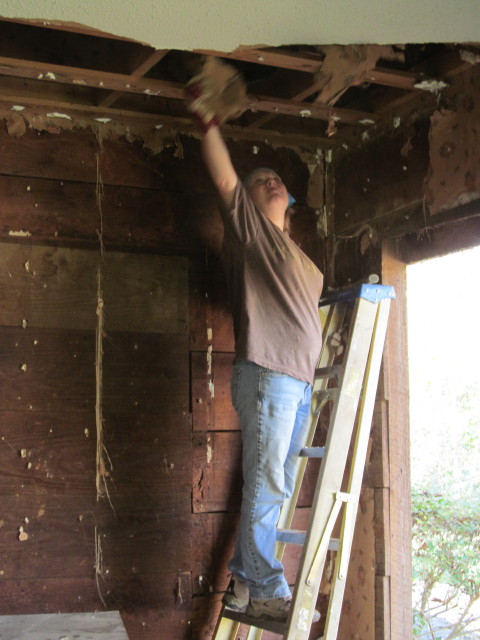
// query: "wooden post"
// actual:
[[395, 372]]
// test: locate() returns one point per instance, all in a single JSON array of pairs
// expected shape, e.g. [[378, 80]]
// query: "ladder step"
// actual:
[[267, 625], [294, 536], [327, 372], [291, 536], [312, 452]]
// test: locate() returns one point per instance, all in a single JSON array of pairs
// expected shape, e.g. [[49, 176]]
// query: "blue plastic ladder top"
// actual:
[[371, 292]]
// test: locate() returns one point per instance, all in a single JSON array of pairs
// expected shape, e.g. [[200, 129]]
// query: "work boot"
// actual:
[[272, 609], [236, 596], [276, 609]]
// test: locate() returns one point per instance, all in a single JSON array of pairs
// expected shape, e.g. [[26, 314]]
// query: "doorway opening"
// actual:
[[443, 308]]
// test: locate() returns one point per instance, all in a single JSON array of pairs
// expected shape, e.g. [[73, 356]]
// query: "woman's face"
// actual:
[[266, 187]]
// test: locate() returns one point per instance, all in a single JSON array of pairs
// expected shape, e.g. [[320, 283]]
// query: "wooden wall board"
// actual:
[[84, 626], [45, 453], [145, 373], [213, 539], [382, 531], [41, 369], [452, 236], [211, 396], [64, 211], [217, 483], [377, 467], [382, 177], [137, 542], [47, 595], [206, 610], [382, 607], [395, 373], [210, 320], [358, 619], [60, 533], [168, 622], [145, 293], [54, 287], [151, 462]]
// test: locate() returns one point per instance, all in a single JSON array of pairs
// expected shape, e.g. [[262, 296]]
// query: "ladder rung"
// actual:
[[294, 536], [291, 536], [259, 623], [312, 452], [327, 372]]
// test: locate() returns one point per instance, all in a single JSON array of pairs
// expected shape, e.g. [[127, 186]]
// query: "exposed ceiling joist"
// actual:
[[322, 94]]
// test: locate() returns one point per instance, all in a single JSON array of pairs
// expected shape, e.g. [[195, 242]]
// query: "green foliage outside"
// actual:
[[445, 445], [446, 551]]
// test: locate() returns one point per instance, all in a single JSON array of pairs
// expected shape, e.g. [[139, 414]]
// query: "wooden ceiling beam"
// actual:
[[123, 83], [312, 110], [392, 78], [59, 112], [272, 57], [143, 68], [90, 78]]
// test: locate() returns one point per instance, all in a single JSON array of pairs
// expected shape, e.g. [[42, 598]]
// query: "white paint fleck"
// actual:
[[40, 76], [305, 113], [82, 82], [261, 59], [86, 432], [255, 150], [23, 367], [209, 450], [469, 56], [365, 135], [20, 233], [211, 388], [434, 86], [104, 120], [17, 107], [209, 360], [55, 114], [24, 324], [209, 334], [159, 126], [27, 266], [302, 623], [396, 121], [50, 76], [367, 121]]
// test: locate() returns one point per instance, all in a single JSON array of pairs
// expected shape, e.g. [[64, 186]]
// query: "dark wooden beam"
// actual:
[[312, 110], [57, 111], [89, 77], [273, 57], [139, 72]]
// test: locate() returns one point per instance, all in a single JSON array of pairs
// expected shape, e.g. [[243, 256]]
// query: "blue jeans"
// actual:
[[273, 409]]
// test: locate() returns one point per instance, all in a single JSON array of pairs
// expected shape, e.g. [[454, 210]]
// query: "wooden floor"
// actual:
[[64, 626]]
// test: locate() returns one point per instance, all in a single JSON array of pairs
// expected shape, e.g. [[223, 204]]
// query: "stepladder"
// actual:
[[354, 323]]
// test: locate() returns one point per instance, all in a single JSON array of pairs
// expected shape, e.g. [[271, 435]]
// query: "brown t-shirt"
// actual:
[[274, 292]]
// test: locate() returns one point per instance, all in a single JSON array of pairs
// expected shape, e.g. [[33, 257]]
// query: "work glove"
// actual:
[[216, 94]]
